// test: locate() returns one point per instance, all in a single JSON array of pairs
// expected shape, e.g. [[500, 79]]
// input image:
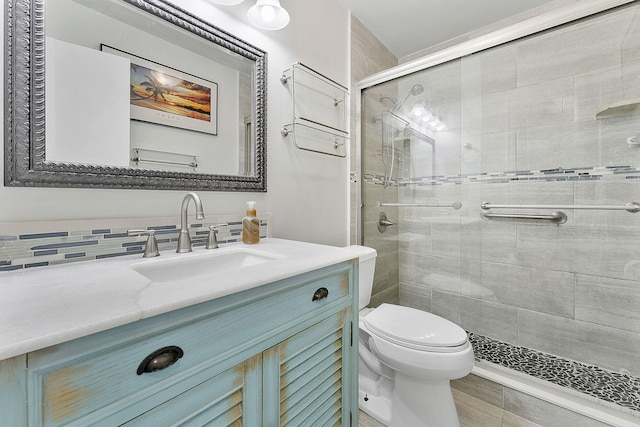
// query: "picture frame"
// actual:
[[167, 96]]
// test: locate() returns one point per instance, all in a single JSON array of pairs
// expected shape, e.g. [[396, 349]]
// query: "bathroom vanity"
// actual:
[[264, 338]]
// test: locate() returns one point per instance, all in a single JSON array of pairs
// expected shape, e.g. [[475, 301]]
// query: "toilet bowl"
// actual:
[[407, 359]]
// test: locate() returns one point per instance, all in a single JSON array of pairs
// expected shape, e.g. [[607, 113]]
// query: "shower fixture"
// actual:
[[415, 91], [383, 222], [387, 135], [383, 97]]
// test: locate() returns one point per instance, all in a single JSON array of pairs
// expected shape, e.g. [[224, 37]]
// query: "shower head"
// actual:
[[415, 91]]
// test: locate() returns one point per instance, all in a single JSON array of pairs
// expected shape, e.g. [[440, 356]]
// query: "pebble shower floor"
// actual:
[[621, 389]]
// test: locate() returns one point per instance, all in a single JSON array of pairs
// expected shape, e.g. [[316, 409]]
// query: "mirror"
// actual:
[[130, 94]]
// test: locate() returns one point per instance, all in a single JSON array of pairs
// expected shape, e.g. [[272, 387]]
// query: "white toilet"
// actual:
[[407, 358]]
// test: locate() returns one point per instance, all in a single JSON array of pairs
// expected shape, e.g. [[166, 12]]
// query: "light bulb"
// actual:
[[418, 109], [268, 13], [427, 117]]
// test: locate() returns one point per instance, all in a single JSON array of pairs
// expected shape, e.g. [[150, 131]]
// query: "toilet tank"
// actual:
[[367, 266]]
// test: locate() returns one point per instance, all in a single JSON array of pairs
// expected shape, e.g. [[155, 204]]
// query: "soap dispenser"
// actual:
[[251, 225]]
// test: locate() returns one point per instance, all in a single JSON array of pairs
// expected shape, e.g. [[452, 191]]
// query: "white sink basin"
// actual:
[[212, 264]]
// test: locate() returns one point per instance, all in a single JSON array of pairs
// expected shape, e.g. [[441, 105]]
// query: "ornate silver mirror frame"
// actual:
[[25, 164]]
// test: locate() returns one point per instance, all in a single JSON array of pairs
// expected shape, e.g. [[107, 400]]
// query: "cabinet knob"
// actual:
[[160, 359], [321, 293]]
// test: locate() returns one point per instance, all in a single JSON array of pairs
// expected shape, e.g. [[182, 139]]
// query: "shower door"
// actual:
[[411, 139], [542, 124]]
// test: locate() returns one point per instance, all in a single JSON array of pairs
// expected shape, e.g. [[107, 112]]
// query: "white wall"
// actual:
[[307, 192]]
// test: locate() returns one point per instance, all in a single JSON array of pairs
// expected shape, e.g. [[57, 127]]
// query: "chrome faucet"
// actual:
[[151, 246], [184, 239], [212, 241]]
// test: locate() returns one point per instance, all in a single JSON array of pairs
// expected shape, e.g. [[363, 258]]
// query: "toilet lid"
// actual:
[[414, 328]]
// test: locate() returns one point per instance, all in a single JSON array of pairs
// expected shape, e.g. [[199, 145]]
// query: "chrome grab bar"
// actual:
[[454, 205], [557, 217], [632, 207]]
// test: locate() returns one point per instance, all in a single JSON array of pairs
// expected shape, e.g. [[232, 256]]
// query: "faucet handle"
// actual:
[[151, 246], [212, 241]]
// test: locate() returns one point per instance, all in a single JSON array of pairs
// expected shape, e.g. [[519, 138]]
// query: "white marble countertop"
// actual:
[[44, 306]]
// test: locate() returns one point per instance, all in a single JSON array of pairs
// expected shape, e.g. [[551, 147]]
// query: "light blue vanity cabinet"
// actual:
[[284, 353]]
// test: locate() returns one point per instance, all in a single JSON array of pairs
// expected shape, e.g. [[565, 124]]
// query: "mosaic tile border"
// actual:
[[557, 174], [31, 250], [613, 387]]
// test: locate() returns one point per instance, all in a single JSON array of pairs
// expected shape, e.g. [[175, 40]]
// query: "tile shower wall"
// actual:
[[29, 245], [524, 128], [368, 56], [374, 158]]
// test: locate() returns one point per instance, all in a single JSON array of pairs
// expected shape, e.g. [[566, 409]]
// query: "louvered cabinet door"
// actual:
[[312, 370], [231, 398]]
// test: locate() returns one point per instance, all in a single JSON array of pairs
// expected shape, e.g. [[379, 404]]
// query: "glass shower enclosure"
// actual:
[[500, 181]]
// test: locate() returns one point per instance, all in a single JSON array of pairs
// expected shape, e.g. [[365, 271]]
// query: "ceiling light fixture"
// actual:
[[268, 15], [419, 109], [424, 116]]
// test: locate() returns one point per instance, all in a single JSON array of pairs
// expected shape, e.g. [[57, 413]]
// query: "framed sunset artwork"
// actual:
[[166, 96]]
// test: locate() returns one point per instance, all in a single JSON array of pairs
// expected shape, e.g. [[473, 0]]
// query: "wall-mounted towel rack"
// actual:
[[632, 207], [164, 158], [454, 205], [557, 217], [298, 127], [319, 105]]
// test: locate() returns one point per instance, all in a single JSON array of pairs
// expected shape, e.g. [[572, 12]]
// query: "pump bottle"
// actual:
[[251, 225]]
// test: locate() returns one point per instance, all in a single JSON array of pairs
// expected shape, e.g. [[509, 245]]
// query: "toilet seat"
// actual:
[[415, 329]]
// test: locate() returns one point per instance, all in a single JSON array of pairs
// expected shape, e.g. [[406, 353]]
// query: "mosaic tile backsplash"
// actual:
[[621, 389], [558, 174], [28, 250]]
